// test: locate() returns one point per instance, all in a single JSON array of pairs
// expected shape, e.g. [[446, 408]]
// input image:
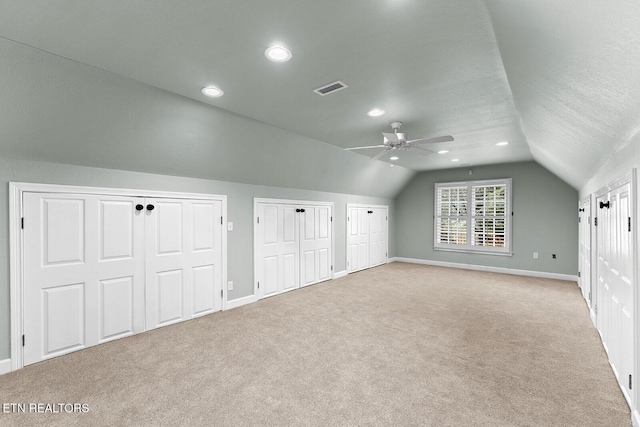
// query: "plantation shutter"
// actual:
[[473, 216]]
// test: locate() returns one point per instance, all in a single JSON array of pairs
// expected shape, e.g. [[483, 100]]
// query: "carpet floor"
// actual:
[[401, 345]]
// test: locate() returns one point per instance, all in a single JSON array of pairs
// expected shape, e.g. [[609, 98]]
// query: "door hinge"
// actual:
[[595, 221], [629, 222], [258, 220], [348, 219], [221, 220], [258, 285], [579, 219], [630, 377], [332, 268], [589, 296], [595, 308], [578, 274], [23, 340], [22, 223], [331, 219]]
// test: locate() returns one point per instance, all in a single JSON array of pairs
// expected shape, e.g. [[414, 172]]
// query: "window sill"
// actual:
[[473, 251]]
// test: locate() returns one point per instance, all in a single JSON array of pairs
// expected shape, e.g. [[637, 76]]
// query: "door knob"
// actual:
[[139, 207], [150, 207]]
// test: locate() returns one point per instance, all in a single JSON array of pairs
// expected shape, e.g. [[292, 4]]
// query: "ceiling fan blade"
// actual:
[[420, 151], [363, 148], [380, 154], [391, 137], [445, 138]]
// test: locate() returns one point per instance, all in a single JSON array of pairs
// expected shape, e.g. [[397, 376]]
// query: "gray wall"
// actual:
[[240, 212], [545, 219]]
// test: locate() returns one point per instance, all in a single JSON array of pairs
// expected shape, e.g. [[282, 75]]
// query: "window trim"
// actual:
[[468, 248]]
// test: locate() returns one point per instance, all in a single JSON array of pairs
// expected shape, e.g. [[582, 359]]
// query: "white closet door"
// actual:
[[377, 236], [83, 275], [315, 244], [277, 250], [615, 282], [358, 251], [584, 254], [184, 259]]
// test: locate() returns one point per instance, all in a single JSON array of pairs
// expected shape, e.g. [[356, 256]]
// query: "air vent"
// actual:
[[330, 88]]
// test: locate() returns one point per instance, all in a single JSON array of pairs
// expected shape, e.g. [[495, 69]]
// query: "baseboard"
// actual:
[[592, 314], [530, 273], [635, 418], [238, 302], [5, 366], [339, 274]]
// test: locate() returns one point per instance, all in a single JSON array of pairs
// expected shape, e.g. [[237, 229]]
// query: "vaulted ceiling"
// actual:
[[558, 80]]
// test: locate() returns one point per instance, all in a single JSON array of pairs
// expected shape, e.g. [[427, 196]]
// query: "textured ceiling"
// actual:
[[555, 79]]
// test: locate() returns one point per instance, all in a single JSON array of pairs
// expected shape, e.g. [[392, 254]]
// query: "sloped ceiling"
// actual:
[[554, 79]]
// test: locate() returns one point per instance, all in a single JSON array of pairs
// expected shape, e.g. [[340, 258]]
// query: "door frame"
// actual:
[[16, 252], [258, 200], [361, 205]]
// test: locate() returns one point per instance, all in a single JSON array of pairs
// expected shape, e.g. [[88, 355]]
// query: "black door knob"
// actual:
[[301, 210], [150, 207], [297, 210], [139, 207]]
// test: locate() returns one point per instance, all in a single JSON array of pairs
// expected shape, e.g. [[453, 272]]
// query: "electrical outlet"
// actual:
[[230, 285], [229, 226], [554, 256], [535, 255]]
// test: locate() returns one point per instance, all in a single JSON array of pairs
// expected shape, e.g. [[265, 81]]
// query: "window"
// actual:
[[473, 216]]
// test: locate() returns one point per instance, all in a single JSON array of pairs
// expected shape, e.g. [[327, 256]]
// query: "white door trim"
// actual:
[[16, 190], [256, 202]]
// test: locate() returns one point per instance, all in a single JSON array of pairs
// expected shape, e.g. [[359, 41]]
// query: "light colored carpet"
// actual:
[[396, 345]]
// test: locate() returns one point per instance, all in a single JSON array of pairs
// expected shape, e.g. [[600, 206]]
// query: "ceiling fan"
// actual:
[[398, 141]]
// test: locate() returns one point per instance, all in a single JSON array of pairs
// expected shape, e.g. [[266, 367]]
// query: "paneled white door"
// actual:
[[315, 244], [293, 246], [615, 282], [183, 259], [98, 267], [584, 252], [358, 250], [83, 272], [367, 236], [278, 250], [377, 236]]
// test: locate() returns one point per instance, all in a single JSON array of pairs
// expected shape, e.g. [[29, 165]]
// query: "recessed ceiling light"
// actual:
[[394, 158], [278, 54], [503, 143], [455, 160], [212, 91], [443, 151], [376, 112]]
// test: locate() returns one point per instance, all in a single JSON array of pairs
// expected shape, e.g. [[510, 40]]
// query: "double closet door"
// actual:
[[98, 267], [615, 278], [367, 241], [293, 243]]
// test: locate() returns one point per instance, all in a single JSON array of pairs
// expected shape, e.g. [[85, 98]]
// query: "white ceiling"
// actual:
[[557, 79]]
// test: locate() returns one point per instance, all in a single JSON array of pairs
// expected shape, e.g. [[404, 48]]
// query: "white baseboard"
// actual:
[[5, 366], [635, 418], [238, 302], [339, 274], [530, 273]]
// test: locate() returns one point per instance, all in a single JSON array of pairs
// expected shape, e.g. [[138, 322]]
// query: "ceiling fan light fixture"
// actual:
[[278, 53], [394, 158], [443, 151], [501, 143], [212, 91], [376, 112]]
